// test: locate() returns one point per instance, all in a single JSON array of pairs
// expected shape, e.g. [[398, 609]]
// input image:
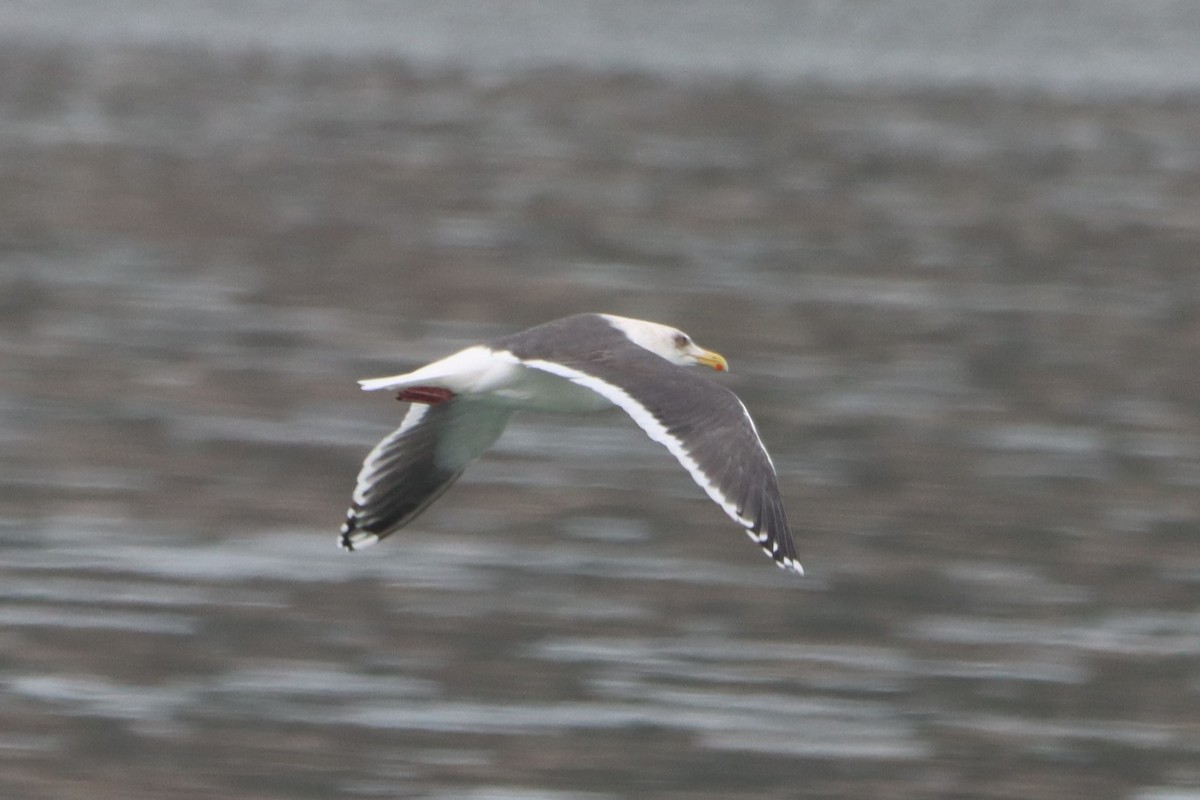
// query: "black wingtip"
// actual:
[[353, 538], [349, 528]]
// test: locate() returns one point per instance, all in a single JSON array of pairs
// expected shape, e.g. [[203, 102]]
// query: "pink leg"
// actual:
[[431, 395]]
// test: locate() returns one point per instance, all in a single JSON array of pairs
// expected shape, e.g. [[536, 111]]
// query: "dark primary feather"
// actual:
[[408, 470]]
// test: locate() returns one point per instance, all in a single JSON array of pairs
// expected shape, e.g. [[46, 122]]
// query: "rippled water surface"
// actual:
[[965, 321]]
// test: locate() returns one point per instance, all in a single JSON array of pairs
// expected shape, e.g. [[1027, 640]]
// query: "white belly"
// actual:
[[532, 389], [496, 379]]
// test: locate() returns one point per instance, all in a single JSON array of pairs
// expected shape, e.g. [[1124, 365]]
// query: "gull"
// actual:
[[585, 362]]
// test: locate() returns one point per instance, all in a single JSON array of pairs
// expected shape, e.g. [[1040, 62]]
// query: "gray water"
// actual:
[[964, 317], [1071, 46]]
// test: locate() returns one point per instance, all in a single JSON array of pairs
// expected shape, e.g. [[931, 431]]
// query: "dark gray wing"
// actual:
[[411, 468], [704, 425]]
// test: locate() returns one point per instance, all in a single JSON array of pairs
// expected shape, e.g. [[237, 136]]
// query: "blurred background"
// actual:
[[949, 248]]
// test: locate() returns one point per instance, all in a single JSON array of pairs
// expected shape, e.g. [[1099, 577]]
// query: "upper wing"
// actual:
[[411, 468], [705, 426]]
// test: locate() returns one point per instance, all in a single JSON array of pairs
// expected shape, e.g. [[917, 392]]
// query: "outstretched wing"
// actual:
[[703, 424], [411, 468]]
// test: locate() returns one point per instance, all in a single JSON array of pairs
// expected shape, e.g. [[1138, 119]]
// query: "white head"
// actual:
[[670, 343]]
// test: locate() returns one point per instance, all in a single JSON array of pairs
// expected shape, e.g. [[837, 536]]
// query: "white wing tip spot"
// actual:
[[352, 540], [763, 540], [790, 564]]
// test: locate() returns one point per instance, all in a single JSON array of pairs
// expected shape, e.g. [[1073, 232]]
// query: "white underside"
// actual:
[[497, 378]]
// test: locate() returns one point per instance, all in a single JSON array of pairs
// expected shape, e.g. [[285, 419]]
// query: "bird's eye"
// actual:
[[681, 340]]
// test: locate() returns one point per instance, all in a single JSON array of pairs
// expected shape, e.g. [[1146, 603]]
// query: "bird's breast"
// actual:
[[535, 390]]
